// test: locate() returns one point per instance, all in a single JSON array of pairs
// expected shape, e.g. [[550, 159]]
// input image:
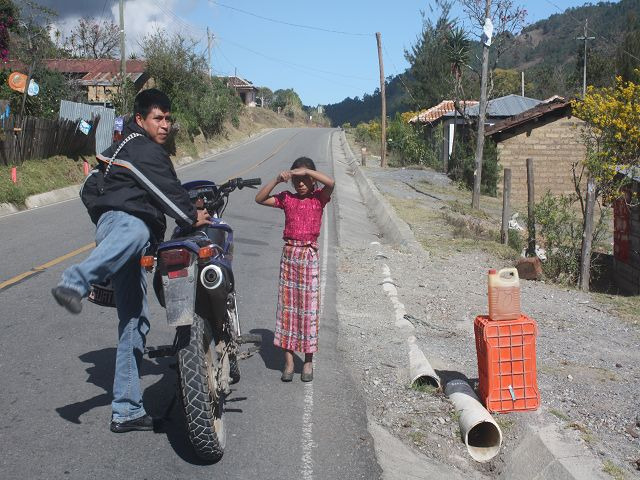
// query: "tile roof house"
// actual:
[[434, 113], [444, 116], [244, 88]]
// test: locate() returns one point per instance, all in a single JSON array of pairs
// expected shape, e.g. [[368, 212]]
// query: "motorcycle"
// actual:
[[193, 281]]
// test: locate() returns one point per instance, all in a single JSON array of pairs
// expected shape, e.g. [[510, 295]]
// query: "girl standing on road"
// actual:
[[298, 292]]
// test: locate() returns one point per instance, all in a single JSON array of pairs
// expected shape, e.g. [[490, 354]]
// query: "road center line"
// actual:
[[18, 278]]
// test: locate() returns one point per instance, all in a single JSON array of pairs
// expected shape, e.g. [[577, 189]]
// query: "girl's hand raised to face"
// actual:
[[284, 176], [299, 172]]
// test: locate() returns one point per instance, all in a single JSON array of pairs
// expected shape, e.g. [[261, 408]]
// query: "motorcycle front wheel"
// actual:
[[202, 400]]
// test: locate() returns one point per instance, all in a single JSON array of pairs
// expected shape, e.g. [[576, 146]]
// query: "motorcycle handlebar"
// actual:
[[240, 183], [251, 182]]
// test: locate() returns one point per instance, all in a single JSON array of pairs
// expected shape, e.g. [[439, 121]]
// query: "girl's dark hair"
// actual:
[[303, 162]]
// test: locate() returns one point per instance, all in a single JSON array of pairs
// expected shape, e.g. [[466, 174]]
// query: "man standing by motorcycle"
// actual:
[[127, 197]]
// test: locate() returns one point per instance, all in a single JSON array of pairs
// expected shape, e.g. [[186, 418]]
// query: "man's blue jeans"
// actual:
[[121, 240]]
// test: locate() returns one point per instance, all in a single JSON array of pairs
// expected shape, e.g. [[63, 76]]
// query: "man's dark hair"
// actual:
[[303, 162], [149, 99]]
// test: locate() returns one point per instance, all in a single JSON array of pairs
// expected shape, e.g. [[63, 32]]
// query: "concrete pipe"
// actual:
[[480, 432], [420, 369]]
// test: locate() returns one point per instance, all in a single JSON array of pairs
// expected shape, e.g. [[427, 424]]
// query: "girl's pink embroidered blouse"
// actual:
[[303, 215]]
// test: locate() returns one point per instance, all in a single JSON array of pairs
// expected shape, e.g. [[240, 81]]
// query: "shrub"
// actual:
[[368, 132], [199, 103], [409, 146], [559, 225], [462, 164]]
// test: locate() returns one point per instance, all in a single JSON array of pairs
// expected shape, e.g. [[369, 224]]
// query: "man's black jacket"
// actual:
[[141, 182]]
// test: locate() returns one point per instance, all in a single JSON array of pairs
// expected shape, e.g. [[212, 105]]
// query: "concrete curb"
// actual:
[[543, 454], [54, 196], [391, 226], [7, 209]]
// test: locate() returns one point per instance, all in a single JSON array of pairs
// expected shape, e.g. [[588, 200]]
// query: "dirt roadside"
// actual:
[[588, 345]]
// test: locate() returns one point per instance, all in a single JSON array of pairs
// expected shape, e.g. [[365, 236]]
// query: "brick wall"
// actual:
[[554, 144]]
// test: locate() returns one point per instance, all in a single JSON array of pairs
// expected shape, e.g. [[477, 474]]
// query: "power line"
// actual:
[[226, 58], [293, 65], [401, 77], [183, 23], [610, 40], [103, 7], [286, 62], [282, 22]]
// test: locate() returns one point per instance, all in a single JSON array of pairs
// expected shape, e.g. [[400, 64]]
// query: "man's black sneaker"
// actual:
[[143, 423], [68, 298]]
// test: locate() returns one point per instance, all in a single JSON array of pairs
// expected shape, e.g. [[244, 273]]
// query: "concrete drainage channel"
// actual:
[[478, 429], [541, 453]]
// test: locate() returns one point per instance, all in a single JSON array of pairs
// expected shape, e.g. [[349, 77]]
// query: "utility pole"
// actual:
[[383, 133], [522, 81], [209, 52], [584, 70], [482, 109], [123, 56], [32, 51]]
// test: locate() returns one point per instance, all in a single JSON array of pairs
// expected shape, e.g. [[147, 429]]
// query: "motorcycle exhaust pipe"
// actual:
[[211, 277]]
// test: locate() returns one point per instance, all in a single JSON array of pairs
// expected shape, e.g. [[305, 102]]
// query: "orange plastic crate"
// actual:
[[507, 363]]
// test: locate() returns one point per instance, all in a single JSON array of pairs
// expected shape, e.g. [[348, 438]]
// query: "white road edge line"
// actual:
[[307, 416]]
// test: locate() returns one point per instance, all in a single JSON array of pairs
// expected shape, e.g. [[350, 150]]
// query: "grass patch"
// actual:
[[455, 416], [38, 176], [559, 414], [497, 249], [626, 307], [612, 469], [444, 234], [424, 387], [585, 434], [418, 438], [467, 210], [505, 424]]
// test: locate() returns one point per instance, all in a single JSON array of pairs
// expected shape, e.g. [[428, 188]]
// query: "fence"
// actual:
[[82, 111], [33, 138]]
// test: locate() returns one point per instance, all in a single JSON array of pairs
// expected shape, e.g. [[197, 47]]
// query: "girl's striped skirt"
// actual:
[[298, 293]]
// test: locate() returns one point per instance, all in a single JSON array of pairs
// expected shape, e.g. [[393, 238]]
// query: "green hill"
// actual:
[[549, 54]]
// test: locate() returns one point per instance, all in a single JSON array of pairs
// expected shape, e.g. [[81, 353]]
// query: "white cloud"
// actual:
[[141, 18]]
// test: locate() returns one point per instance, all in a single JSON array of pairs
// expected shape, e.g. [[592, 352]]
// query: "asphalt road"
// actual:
[[56, 370]]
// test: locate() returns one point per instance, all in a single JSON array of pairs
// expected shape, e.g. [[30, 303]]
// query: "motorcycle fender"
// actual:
[[180, 297]]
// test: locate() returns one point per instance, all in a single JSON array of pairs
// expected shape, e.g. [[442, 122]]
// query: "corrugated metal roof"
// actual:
[[71, 65], [434, 113], [107, 78], [81, 111], [503, 106], [546, 107]]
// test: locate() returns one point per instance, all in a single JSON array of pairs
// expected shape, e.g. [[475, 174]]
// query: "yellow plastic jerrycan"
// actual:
[[504, 294]]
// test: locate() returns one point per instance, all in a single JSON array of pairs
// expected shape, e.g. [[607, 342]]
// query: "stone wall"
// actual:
[[554, 144]]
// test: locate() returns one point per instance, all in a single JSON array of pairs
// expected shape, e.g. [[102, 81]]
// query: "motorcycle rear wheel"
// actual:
[[202, 400]]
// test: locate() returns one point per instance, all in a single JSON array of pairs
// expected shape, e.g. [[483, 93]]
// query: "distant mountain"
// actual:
[[547, 51], [553, 41], [356, 110]]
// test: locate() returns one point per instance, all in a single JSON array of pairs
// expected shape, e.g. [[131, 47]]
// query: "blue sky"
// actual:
[[322, 67]]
